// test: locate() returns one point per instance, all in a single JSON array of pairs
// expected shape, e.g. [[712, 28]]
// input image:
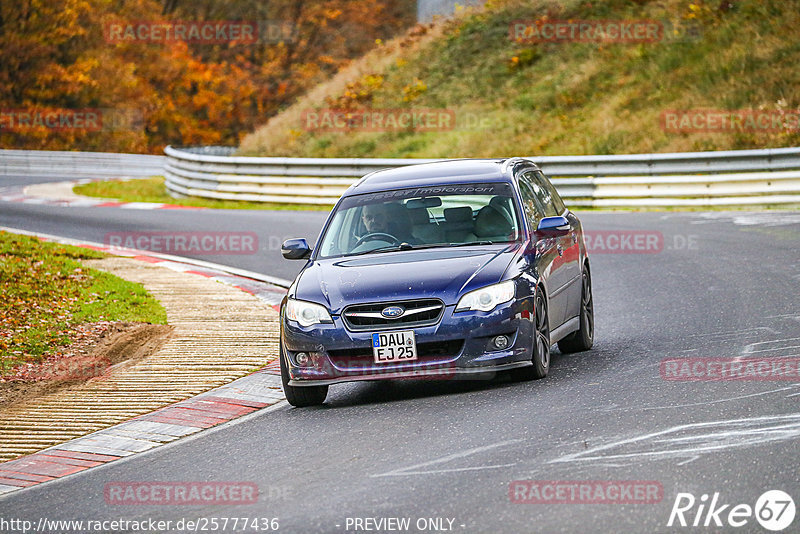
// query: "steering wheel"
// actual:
[[373, 236]]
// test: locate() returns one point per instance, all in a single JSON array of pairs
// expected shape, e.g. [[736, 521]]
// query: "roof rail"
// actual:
[[506, 164]]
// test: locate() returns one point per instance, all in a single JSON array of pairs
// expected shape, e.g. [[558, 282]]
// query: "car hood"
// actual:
[[439, 273]]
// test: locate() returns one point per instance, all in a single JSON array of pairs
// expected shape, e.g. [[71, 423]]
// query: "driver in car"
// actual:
[[375, 219], [388, 218]]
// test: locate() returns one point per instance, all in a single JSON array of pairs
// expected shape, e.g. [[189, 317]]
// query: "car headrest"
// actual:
[[500, 203], [397, 214], [457, 215], [419, 216], [491, 222]]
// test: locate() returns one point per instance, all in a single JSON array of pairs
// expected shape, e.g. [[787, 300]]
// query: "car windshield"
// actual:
[[452, 215]]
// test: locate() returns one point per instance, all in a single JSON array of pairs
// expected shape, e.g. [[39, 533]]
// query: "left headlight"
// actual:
[[306, 313], [486, 298]]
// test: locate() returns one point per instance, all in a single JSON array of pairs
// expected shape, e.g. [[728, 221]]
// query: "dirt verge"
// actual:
[[99, 349]]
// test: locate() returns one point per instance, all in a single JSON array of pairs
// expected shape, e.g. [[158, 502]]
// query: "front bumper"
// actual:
[[458, 347], [477, 373]]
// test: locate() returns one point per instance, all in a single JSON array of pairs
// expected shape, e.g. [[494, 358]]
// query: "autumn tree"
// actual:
[[149, 94]]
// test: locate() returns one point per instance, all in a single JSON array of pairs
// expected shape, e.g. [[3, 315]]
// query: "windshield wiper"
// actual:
[[401, 246], [408, 246], [470, 243]]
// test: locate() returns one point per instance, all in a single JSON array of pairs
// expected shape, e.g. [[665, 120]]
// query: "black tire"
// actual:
[[583, 338], [300, 396], [541, 343]]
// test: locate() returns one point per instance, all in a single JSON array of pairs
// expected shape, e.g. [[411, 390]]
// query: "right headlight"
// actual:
[[487, 298], [306, 313]]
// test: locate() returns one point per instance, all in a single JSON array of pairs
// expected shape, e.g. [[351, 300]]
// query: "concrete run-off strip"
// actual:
[[218, 365], [61, 194]]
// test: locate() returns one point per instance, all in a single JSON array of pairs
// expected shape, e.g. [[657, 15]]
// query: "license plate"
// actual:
[[392, 347]]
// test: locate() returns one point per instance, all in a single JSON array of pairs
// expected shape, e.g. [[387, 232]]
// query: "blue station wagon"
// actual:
[[453, 269]]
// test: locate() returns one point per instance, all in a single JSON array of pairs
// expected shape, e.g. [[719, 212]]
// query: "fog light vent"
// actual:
[[501, 342], [301, 358]]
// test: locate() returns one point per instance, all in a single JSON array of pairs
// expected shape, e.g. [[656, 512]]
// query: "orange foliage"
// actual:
[[56, 61]]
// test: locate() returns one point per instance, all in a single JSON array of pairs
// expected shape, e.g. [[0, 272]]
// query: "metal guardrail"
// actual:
[[741, 177], [78, 164]]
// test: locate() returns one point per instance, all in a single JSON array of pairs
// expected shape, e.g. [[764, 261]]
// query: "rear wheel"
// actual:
[[300, 396], [583, 339], [541, 344]]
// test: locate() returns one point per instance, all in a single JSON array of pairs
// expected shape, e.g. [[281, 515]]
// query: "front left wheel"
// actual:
[[541, 343], [583, 338], [300, 396]]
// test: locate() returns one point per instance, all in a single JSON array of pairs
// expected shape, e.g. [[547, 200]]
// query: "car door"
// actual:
[[545, 250], [568, 246]]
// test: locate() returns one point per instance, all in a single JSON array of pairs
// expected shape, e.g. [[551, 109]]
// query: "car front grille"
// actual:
[[421, 312]]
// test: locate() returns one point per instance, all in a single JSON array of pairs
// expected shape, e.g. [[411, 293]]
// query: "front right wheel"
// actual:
[[300, 396]]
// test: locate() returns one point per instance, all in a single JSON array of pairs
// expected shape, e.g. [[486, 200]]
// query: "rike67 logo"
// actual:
[[774, 510]]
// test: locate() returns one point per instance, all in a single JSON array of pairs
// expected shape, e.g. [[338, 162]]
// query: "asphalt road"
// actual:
[[721, 285], [102, 225]]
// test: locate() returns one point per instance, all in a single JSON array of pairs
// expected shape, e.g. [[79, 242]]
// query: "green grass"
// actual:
[[569, 97], [47, 292], [153, 190]]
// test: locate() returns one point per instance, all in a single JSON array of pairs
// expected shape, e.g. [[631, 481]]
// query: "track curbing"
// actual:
[[223, 404]]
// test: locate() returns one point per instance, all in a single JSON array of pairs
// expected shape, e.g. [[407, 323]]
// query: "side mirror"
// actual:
[[553, 226], [295, 249]]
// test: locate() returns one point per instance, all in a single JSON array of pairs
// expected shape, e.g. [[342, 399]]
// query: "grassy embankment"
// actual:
[[48, 294], [512, 98]]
